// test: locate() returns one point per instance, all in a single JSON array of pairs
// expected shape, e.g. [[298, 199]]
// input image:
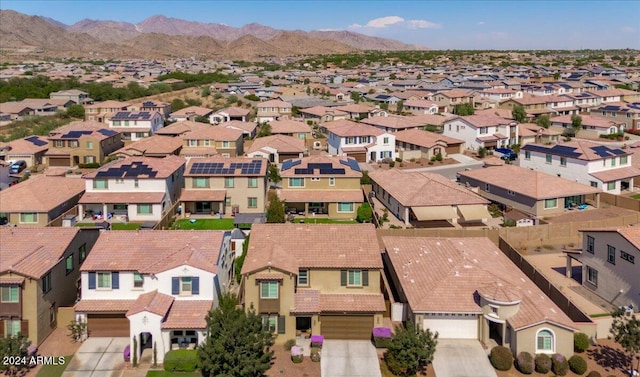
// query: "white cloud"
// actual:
[[628, 29], [354, 26], [384, 21], [480, 23], [422, 24]]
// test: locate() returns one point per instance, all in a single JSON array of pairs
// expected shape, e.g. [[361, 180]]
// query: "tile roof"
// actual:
[[630, 233], [306, 301], [616, 174], [288, 126], [346, 128], [355, 108], [319, 159], [244, 126], [197, 110], [154, 251], [274, 103], [90, 306], [420, 189], [396, 122], [352, 303], [424, 139], [36, 194], [321, 196], [321, 111], [28, 145], [214, 133], [481, 121], [181, 127], [578, 149], [202, 195], [11, 280], [534, 184], [502, 113], [122, 197], [587, 121], [155, 144], [234, 111], [188, 314], [164, 167], [289, 247], [152, 302], [445, 274], [281, 143], [32, 252], [269, 276]]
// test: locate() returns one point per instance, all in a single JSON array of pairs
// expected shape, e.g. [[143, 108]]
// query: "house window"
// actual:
[[200, 182], [253, 182], [303, 277], [611, 186], [590, 244], [227, 201], [544, 341], [228, 182], [252, 202], [89, 144], [13, 327], [58, 143], [563, 161], [141, 134], [548, 158], [623, 160], [613, 161], [269, 289], [487, 187], [270, 322], [527, 155], [145, 209], [611, 254], [296, 182], [138, 280], [354, 278], [28, 217], [100, 184], [225, 144], [628, 257], [593, 183], [345, 207], [69, 264], [46, 283], [136, 183], [73, 143], [89, 159], [385, 140], [207, 143], [104, 280], [332, 181], [483, 131], [193, 143], [592, 275], [186, 285], [315, 179], [10, 294], [550, 203]]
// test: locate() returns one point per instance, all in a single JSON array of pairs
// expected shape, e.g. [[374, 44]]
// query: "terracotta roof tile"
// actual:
[[90, 306], [485, 120], [269, 276], [202, 195], [35, 194], [11, 280], [214, 133], [181, 127], [163, 167], [281, 143], [152, 302], [352, 303], [22, 146], [197, 110], [424, 138], [288, 126], [155, 144], [188, 314], [306, 301], [121, 197], [346, 128]]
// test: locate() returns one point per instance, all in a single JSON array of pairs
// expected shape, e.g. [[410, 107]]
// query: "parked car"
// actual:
[[17, 167], [507, 154]]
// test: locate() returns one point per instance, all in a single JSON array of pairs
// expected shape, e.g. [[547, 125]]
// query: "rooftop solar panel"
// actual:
[[132, 170], [107, 132], [36, 141]]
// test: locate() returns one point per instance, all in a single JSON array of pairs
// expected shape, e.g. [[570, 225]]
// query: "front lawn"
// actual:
[[204, 224], [114, 226], [636, 196], [311, 220], [164, 373], [54, 370]]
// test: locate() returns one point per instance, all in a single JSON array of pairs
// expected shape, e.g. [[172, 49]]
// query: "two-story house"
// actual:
[[191, 113], [75, 95], [133, 189], [82, 143], [318, 279], [164, 108], [356, 111], [273, 110], [290, 127], [420, 107], [212, 140], [362, 142], [322, 114], [487, 131], [607, 168], [277, 148], [225, 185], [447, 100], [39, 271], [158, 289], [627, 114], [136, 125], [322, 185], [102, 111], [610, 258]]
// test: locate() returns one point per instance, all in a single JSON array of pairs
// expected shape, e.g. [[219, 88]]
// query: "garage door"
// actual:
[[453, 149], [360, 157], [108, 325], [453, 327], [347, 326], [59, 161]]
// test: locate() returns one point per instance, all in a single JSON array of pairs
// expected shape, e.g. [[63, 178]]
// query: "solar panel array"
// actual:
[[132, 170], [148, 104], [323, 168], [566, 151], [107, 132], [212, 168], [36, 141], [604, 151], [350, 162], [288, 164], [126, 115], [75, 134]]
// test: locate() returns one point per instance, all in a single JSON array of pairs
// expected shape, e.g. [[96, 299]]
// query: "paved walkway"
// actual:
[[349, 358], [461, 358], [98, 357]]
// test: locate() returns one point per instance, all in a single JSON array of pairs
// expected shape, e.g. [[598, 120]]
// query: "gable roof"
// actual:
[[155, 144], [578, 149], [281, 143], [181, 127], [287, 126], [484, 120], [346, 128], [155, 168], [214, 133], [36, 194], [197, 110], [424, 138], [152, 302]]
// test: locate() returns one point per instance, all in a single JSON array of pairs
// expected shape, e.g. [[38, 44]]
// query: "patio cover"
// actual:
[[203, 195], [474, 212], [435, 213]]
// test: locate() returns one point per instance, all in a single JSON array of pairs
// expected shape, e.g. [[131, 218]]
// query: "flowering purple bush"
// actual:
[[317, 340], [296, 354], [381, 337], [559, 364]]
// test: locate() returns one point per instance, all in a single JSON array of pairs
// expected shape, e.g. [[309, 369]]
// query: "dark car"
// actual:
[[17, 167], [507, 154]]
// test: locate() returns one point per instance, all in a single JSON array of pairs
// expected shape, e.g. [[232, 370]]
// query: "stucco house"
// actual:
[[273, 110], [277, 148], [487, 131], [136, 125], [82, 143], [358, 141], [415, 143]]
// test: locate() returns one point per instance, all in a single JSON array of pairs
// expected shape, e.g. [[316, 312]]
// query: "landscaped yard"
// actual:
[[312, 220], [282, 366], [636, 196], [114, 226], [54, 370], [164, 373], [204, 224]]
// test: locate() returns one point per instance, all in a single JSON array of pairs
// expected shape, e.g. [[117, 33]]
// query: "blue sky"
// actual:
[[443, 24]]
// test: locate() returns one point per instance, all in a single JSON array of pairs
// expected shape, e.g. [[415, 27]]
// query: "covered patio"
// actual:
[[203, 202]]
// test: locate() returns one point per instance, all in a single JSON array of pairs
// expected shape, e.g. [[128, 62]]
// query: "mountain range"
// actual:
[[164, 37]]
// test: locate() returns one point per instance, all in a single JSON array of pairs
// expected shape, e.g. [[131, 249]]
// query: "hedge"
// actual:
[[525, 363], [543, 363], [181, 361], [580, 342], [559, 364], [594, 373], [578, 365], [501, 358]]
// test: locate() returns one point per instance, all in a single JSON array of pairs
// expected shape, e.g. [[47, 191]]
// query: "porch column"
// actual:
[[631, 184], [406, 216], [104, 211], [80, 212], [306, 209], [597, 200], [568, 268], [503, 332]]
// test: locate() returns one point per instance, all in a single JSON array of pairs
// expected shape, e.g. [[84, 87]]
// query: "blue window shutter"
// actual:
[[115, 280], [195, 285], [175, 286], [365, 278], [216, 283], [92, 280]]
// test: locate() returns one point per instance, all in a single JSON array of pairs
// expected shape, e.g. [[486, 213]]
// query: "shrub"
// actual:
[[524, 363], [181, 361], [439, 157], [315, 354], [594, 373], [365, 213], [433, 158], [392, 164], [543, 363], [91, 165], [398, 159], [559, 364], [580, 342], [577, 364], [501, 358], [296, 354], [381, 337], [289, 344]]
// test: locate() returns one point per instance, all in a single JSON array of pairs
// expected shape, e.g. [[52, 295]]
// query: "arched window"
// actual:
[[545, 342]]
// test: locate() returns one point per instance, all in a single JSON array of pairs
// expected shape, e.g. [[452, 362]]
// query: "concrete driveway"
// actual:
[[461, 358], [98, 357], [349, 358]]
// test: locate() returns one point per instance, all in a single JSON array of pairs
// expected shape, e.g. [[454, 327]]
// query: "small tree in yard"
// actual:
[[519, 113], [576, 123], [626, 332], [365, 213], [410, 349], [275, 211], [400, 107], [14, 346], [237, 344], [464, 109], [264, 130], [544, 121], [76, 111], [274, 173]]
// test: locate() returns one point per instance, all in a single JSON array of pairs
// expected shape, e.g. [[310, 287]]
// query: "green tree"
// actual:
[[75, 111], [410, 350], [275, 210], [625, 330], [544, 121], [265, 130], [355, 96], [177, 104], [519, 113], [206, 92], [267, 83], [464, 109], [274, 174], [306, 81], [576, 123], [237, 344], [400, 107], [556, 76], [14, 346], [231, 99], [239, 261], [365, 213], [201, 119]]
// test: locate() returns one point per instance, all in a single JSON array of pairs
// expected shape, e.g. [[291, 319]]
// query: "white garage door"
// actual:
[[452, 326]]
